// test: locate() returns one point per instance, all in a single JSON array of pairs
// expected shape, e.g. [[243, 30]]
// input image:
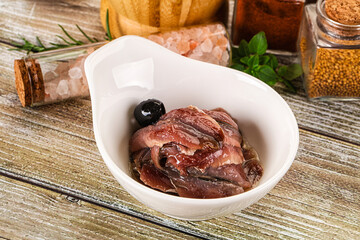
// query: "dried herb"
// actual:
[[40, 47], [252, 59]]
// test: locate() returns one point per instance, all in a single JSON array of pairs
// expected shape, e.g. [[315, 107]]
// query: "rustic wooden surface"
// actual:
[[41, 213], [48, 155]]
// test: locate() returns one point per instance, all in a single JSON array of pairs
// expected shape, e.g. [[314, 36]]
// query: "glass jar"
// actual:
[[208, 43], [147, 17], [53, 76], [330, 55], [279, 19]]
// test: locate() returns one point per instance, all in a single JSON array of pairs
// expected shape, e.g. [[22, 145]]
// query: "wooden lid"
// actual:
[[22, 82]]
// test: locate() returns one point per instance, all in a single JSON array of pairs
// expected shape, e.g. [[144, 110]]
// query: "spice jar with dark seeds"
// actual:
[[279, 19], [330, 50]]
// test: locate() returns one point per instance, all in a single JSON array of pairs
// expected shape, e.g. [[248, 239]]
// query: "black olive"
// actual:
[[148, 112]]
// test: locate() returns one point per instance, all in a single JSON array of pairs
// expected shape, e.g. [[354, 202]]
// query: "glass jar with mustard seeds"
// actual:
[[279, 19], [330, 51]]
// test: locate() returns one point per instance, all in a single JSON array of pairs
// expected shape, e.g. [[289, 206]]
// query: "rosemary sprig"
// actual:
[[71, 41], [108, 33]]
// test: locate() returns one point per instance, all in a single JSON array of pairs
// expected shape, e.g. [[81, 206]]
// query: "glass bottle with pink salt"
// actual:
[[53, 76], [208, 43]]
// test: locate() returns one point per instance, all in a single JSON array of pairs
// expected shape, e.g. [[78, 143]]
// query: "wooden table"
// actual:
[[54, 184]]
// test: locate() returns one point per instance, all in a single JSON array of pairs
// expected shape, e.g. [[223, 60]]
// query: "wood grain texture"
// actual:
[[31, 212], [53, 146], [324, 179], [40, 18]]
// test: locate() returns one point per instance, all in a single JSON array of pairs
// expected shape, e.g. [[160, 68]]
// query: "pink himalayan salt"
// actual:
[[63, 88], [75, 73], [183, 46], [157, 39], [222, 42], [50, 91], [217, 52], [50, 75], [207, 45], [225, 57], [205, 33], [75, 86]]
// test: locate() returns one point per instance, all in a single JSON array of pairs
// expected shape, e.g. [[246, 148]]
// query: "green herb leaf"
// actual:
[[282, 71], [244, 60], [289, 85], [70, 37], [40, 47], [92, 40], [264, 59], [258, 44], [253, 61], [248, 71], [268, 75], [243, 49], [108, 33], [236, 60], [235, 52], [273, 62], [237, 66], [293, 71]]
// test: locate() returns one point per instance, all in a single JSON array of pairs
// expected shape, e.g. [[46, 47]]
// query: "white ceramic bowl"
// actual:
[[131, 69]]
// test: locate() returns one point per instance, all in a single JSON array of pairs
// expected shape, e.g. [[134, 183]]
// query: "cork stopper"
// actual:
[[22, 82], [343, 11], [29, 82], [37, 81]]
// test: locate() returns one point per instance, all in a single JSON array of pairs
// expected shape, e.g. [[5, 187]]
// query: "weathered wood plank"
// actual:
[[31, 212], [326, 167], [41, 18], [336, 119]]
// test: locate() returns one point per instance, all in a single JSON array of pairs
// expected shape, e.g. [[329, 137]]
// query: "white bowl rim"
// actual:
[[183, 200]]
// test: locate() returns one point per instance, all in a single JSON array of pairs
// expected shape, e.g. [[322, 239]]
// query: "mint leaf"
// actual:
[[289, 85], [248, 71], [235, 52], [282, 71], [293, 71], [264, 60], [244, 60], [273, 62], [237, 66], [236, 60], [258, 44], [267, 75], [243, 49], [253, 61]]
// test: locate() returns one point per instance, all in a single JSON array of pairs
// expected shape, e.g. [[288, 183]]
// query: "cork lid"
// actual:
[[343, 11], [29, 82], [37, 81], [22, 82]]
